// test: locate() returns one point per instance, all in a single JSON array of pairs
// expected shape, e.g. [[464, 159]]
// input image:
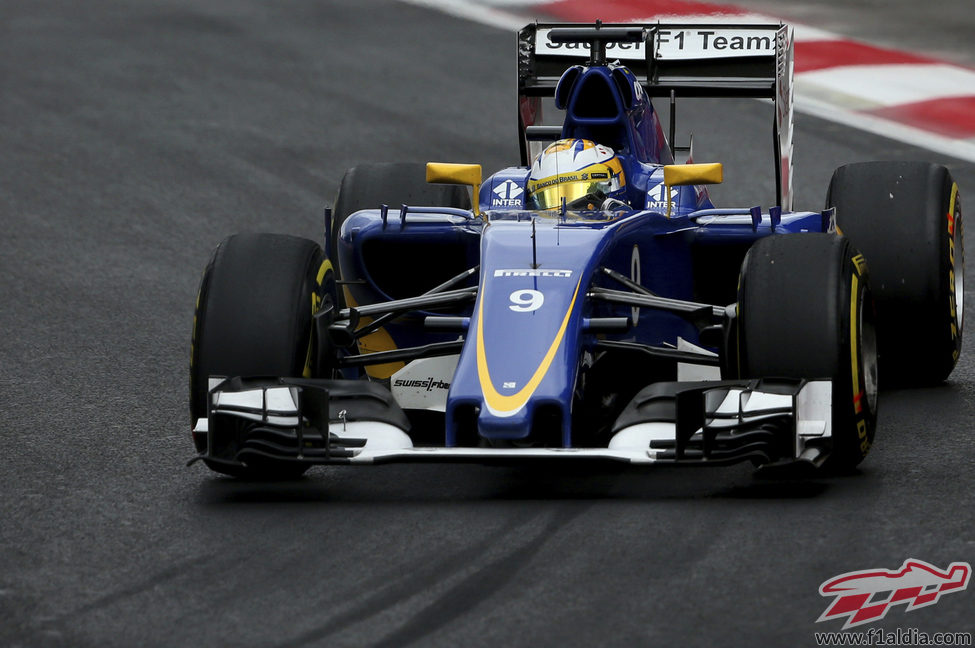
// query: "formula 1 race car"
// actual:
[[591, 303]]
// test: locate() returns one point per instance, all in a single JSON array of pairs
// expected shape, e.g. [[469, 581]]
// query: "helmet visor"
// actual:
[[550, 197]]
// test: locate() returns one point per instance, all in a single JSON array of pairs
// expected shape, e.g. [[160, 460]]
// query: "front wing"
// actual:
[[358, 422]]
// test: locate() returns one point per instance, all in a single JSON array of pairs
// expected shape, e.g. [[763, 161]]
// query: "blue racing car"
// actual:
[[591, 303]]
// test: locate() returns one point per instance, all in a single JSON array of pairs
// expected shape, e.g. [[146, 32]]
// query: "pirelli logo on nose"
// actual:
[[534, 272]]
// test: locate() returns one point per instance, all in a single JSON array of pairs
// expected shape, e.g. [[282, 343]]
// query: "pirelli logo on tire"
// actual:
[[955, 278], [860, 264], [861, 373]]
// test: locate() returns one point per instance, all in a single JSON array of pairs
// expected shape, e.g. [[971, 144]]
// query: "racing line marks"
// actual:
[[421, 589]]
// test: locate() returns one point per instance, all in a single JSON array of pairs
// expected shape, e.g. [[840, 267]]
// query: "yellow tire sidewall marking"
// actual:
[[316, 303]]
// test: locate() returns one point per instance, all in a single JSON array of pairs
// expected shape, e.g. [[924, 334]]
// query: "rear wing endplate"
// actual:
[[671, 60]]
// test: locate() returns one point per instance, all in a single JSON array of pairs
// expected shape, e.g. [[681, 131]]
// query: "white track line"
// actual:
[[876, 86]]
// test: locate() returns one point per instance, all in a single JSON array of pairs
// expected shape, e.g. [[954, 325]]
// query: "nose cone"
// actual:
[[520, 359]]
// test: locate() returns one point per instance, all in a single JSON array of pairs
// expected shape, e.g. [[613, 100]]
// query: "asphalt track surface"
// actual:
[[133, 138]]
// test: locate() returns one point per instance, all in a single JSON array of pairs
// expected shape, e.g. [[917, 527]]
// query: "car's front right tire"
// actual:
[[253, 317]]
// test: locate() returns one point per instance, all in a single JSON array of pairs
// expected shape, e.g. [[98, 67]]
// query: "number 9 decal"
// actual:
[[526, 301]]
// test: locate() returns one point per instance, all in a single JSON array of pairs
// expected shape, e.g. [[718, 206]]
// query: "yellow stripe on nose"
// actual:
[[497, 403]]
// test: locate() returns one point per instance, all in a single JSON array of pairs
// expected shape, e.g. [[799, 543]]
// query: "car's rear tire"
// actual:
[[369, 186], [805, 311], [905, 217], [253, 318]]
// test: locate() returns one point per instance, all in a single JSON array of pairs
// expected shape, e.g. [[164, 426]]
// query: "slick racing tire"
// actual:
[[254, 318], [805, 311], [369, 186], [905, 217]]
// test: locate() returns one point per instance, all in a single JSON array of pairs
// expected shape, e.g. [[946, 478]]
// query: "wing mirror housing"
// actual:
[[691, 174], [459, 174]]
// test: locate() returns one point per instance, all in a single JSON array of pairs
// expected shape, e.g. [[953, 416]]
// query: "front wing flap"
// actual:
[[764, 421]]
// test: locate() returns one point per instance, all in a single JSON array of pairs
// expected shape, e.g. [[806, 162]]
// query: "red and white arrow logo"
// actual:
[[865, 596]]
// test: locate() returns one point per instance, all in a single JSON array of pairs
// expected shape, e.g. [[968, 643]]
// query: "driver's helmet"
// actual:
[[582, 172]]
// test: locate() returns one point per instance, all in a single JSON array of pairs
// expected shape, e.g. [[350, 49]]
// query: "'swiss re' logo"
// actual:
[[429, 384]]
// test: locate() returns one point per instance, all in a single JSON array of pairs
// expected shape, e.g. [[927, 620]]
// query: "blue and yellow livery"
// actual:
[[622, 318]]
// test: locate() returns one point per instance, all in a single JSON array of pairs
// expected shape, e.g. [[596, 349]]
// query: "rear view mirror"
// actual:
[[691, 174], [460, 174]]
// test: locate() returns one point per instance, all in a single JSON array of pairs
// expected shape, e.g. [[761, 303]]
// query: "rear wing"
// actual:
[[670, 60]]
